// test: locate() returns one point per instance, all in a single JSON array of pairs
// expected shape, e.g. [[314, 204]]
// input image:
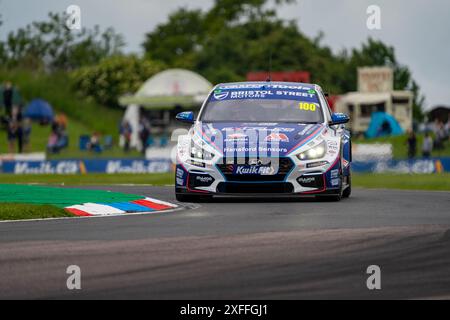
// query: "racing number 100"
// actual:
[[307, 106]]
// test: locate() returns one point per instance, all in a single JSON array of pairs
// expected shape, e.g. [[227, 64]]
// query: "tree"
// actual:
[[235, 37], [52, 45], [178, 41], [175, 41], [113, 76]]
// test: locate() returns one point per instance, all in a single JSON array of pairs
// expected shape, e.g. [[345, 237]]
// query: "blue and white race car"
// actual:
[[254, 138]]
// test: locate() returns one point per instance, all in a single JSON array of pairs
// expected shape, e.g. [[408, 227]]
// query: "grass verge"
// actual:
[[432, 182], [386, 181], [157, 179], [20, 211]]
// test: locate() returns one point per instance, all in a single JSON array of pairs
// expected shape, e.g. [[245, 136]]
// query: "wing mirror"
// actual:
[[187, 117], [339, 118]]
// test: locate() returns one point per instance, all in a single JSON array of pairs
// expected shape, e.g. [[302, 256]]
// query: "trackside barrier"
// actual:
[[434, 165], [75, 166], [112, 166]]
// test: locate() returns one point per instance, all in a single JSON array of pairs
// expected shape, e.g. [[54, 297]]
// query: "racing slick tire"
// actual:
[[186, 198], [335, 197], [191, 198]]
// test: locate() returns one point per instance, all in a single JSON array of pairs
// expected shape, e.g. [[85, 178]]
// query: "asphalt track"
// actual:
[[239, 249]]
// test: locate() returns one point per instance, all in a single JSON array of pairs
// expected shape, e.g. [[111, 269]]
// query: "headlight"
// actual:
[[316, 152], [199, 155]]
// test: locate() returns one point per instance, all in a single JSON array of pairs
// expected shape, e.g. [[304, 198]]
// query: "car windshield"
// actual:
[[262, 110]]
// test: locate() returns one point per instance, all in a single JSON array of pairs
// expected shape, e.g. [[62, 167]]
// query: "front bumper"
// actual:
[[291, 178]]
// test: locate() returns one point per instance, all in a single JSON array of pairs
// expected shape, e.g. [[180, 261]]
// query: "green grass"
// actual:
[[20, 211], [400, 148], [387, 181], [157, 179], [435, 182], [84, 115], [56, 89]]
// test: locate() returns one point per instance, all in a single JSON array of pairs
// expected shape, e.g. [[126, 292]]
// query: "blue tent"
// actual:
[[40, 110], [383, 124]]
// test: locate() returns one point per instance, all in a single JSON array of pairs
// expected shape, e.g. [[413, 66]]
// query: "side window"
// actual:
[[326, 106]]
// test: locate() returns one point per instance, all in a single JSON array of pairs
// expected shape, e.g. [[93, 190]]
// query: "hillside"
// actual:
[[84, 116]]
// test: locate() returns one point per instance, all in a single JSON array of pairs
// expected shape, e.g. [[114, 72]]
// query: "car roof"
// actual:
[[281, 83]]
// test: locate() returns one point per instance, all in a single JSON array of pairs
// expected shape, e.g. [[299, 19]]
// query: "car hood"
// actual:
[[257, 139]]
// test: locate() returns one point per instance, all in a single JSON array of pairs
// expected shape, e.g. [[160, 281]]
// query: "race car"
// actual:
[[264, 138]]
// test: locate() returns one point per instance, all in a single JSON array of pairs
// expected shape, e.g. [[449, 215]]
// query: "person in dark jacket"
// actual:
[[8, 95], [412, 144]]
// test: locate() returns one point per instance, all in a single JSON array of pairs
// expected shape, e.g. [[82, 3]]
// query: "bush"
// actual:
[[113, 77]]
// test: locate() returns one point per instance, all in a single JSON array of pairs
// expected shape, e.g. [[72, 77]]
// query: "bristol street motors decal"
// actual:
[[220, 95]]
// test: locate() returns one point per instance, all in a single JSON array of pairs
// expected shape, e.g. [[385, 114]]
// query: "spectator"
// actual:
[[61, 119], [14, 130], [8, 95], [144, 133], [441, 136], [94, 143], [126, 132], [52, 143], [58, 138], [427, 145], [17, 117], [26, 129], [12, 135], [412, 144]]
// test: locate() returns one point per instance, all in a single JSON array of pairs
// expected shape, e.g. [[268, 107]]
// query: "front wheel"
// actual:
[[186, 197], [348, 191], [192, 198]]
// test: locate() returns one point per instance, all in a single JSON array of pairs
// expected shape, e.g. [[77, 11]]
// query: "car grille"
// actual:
[[285, 166], [254, 188]]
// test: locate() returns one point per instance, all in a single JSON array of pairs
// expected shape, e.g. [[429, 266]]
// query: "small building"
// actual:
[[375, 94], [439, 113], [360, 106]]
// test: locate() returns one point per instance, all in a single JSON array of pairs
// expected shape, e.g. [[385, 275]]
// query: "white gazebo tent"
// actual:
[[164, 91]]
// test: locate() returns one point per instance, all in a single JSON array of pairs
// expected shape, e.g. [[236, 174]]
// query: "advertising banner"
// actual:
[[435, 165], [110, 166]]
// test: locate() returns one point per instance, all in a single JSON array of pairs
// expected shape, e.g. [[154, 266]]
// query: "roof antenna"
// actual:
[[269, 78]]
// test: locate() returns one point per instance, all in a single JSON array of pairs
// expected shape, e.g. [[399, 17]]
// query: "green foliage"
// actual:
[[237, 36], [155, 179], [430, 182], [113, 77], [52, 45]]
